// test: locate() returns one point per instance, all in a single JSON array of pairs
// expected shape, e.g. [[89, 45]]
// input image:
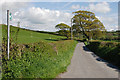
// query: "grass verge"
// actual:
[[38, 60]]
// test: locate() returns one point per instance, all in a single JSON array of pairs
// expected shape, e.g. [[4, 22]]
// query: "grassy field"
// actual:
[[27, 36], [36, 55]]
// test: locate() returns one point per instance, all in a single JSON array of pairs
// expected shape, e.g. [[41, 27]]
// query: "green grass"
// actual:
[[27, 36], [36, 55], [38, 60]]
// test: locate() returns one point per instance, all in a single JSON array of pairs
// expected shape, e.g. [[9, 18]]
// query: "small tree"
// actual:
[[64, 29]]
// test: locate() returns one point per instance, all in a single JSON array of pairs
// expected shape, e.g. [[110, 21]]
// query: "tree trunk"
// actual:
[[67, 37], [85, 34]]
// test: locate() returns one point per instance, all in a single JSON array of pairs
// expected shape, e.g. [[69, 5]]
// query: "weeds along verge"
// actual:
[[37, 60], [109, 51]]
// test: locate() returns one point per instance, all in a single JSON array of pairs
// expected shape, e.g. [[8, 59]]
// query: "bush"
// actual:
[[109, 51], [37, 60]]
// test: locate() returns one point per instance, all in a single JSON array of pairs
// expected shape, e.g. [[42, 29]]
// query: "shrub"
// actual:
[[109, 51], [37, 60]]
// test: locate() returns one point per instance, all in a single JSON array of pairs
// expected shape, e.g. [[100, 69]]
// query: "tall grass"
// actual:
[[35, 54], [38, 60]]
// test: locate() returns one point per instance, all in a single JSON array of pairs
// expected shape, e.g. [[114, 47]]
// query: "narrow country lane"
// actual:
[[85, 64]]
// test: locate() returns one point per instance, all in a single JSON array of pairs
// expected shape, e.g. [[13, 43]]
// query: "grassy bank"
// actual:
[[35, 54], [38, 60], [28, 36], [109, 51]]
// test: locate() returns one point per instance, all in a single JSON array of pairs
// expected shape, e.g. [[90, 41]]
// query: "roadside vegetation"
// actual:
[[107, 50], [107, 47], [38, 60], [42, 56], [39, 54]]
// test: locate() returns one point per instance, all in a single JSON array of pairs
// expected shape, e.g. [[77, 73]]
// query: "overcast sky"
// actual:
[[43, 16]]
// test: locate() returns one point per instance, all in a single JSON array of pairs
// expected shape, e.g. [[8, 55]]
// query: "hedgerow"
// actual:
[[37, 60], [109, 51]]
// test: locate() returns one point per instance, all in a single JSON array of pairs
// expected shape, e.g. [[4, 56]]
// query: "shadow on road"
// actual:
[[100, 59], [108, 64], [86, 49]]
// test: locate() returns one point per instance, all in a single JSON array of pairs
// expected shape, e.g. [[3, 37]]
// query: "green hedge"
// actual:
[[37, 60], [109, 51]]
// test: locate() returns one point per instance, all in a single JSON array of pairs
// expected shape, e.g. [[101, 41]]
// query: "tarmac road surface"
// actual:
[[85, 64]]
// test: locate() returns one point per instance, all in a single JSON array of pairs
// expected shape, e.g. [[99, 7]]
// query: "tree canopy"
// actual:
[[62, 26], [64, 29], [88, 23]]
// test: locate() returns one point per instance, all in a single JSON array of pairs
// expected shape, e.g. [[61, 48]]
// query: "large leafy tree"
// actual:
[[76, 31], [64, 29], [88, 24]]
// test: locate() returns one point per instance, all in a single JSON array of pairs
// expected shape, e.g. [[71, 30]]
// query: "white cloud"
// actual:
[[43, 16], [107, 20], [45, 19], [84, 8], [13, 7], [34, 18], [110, 21], [102, 7], [112, 27], [75, 7], [37, 18]]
